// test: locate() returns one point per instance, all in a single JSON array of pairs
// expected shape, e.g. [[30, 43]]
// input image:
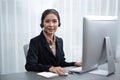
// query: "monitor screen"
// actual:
[[95, 29]]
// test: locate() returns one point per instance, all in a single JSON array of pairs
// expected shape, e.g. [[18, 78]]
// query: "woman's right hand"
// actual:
[[58, 70]]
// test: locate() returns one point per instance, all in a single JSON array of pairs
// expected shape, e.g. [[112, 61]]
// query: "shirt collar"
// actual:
[[50, 41]]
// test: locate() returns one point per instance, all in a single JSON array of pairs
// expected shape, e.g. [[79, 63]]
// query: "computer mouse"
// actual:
[[64, 74]]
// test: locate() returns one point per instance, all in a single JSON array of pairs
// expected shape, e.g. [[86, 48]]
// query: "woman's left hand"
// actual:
[[78, 64]]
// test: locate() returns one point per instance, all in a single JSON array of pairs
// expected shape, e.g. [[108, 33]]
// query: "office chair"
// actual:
[[26, 47]]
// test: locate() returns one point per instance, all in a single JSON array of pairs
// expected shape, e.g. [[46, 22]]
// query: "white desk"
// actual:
[[85, 76]]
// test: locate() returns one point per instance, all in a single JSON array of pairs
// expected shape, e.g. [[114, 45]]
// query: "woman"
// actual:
[[46, 50]]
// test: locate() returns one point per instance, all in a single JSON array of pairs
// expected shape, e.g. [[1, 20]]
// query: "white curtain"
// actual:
[[20, 19]]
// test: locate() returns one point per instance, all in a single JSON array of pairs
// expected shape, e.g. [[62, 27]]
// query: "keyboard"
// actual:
[[76, 69]]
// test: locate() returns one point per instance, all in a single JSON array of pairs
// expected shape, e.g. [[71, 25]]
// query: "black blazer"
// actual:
[[40, 56]]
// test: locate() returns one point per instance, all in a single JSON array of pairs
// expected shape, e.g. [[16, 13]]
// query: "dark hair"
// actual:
[[48, 11]]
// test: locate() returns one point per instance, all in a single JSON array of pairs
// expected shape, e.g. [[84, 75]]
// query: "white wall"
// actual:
[[118, 50], [20, 19]]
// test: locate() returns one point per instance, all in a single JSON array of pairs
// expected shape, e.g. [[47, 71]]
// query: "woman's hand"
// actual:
[[78, 64], [58, 70]]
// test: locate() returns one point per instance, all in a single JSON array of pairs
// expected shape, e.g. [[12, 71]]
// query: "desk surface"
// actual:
[[85, 76]]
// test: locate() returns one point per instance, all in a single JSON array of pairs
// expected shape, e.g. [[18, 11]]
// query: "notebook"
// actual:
[[47, 74]]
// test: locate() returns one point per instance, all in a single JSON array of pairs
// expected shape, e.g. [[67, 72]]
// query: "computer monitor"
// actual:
[[95, 31]]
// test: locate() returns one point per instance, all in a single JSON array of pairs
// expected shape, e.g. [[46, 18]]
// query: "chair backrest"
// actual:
[[26, 47]]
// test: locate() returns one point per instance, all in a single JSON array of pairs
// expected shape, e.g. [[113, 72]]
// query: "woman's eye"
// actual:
[[54, 21], [47, 21]]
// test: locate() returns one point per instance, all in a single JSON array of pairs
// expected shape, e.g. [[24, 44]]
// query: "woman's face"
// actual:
[[50, 23]]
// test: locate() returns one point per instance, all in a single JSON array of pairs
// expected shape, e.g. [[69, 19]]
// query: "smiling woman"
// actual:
[[46, 50], [19, 22]]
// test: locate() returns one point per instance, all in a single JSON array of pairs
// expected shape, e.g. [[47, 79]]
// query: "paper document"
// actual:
[[47, 74]]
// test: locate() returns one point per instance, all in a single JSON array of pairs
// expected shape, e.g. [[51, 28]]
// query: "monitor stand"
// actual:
[[110, 65]]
